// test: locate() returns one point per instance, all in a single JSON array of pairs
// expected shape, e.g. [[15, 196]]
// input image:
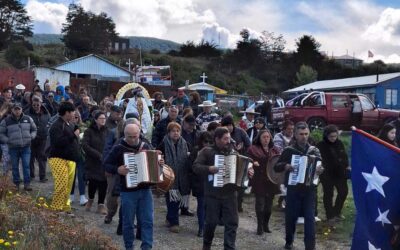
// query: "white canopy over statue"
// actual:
[[140, 104]]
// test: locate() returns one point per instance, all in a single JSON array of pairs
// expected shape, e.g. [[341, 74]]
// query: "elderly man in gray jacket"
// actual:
[[17, 131]]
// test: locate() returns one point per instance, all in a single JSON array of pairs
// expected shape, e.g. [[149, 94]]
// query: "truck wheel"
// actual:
[[316, 123]]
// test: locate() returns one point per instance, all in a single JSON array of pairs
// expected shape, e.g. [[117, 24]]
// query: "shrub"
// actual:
[[27, 223]]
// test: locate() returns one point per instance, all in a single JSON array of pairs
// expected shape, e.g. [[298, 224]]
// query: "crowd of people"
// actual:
[[85, 142]]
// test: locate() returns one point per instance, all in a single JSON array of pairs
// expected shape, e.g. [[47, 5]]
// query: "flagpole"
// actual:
[[376, 139]]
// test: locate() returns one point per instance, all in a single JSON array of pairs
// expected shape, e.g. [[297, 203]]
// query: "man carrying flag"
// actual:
[[375, 179]]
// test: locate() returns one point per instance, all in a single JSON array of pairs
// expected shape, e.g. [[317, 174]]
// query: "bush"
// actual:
[[17, 55], [27, 223]]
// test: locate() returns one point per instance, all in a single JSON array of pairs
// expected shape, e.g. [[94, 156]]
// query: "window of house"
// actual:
[[391, 97]]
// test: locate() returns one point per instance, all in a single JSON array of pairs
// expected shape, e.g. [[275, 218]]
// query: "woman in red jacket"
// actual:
[[261, 151]]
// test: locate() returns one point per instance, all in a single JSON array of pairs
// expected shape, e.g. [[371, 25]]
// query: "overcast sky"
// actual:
[[355, 26]]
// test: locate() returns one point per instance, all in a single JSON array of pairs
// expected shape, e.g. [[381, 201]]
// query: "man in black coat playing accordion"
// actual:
[[301, 196], [135, 201], [218, 200]]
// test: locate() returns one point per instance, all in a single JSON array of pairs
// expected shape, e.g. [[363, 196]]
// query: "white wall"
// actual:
[[55, 77]]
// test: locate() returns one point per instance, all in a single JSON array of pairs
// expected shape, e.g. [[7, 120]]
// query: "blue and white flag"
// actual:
[[376, 190]]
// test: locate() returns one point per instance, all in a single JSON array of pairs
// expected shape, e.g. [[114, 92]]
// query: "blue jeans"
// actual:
[[138, 203], [23, 153], [201, 211], [81, 181], [172, 211], [300, 200]]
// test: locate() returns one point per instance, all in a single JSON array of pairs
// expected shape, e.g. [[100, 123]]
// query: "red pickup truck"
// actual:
[[342, 109]]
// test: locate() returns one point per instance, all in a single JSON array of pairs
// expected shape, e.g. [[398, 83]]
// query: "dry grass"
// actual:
[[27, 223]]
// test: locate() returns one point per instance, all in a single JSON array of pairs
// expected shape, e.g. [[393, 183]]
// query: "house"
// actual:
[[97, 74], [53, 76], [119, 45], [383, 90], [206, 91], [348, 61], [153, 75]]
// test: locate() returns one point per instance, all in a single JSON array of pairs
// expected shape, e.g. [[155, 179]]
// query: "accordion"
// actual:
[[304, 170], [143, 168], [232, 169]]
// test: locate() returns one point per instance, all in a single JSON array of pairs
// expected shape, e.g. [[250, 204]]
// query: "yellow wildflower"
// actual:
[[7, 244], [10, 236], [1, 241], [10, 192], [10, 232], [41, 198], [15, 243]]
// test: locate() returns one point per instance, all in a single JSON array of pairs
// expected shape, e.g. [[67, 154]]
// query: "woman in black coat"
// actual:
[[197, 182], [93, 143], [261, 151], [336, 165]]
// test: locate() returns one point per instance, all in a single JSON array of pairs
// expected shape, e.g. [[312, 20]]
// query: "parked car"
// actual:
[[319, 109]]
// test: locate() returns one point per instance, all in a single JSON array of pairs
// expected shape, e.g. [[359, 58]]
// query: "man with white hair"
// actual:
[[133, 198]]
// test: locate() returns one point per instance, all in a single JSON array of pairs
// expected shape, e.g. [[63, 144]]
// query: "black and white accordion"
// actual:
[[143, 168], [232, 169], [304, 170]]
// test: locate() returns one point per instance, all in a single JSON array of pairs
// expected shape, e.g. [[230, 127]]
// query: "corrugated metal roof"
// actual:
[[94, 65], [345, 83], [346, 57]]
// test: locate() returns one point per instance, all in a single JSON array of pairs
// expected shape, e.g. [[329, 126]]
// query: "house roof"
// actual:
[[38, 67], [94, 65], [345, 83], [205, 86], [346, 57]]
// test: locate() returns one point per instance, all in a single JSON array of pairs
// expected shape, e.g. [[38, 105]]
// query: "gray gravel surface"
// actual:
[[187, 238]]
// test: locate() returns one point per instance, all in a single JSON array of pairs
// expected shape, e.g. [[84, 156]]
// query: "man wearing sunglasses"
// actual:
[[41, 116]]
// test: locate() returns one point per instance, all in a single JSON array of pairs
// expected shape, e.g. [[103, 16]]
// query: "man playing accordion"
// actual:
[[218, 200], [301, 196], [135, 201]]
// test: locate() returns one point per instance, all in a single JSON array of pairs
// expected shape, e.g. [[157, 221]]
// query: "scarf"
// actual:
[[176, 157]]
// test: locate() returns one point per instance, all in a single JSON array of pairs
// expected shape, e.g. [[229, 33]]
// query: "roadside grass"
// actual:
[[26, 222]]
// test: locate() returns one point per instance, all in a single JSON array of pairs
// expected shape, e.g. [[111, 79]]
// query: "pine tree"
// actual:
[[15, 24]]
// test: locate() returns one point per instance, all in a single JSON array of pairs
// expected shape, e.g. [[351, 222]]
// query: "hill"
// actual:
[[146, 43]]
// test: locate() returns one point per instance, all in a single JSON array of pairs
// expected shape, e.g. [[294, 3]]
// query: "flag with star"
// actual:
[[376, 190]]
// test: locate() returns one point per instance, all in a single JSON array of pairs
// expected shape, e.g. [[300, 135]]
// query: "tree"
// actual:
[[15, 24], [308, 51], [188, 49], [17, 55], [248, 50], [306, 75], [272, 46], [85, 32]]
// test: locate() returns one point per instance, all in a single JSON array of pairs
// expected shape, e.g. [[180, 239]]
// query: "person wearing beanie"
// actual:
[[241, 143], [259, 123]]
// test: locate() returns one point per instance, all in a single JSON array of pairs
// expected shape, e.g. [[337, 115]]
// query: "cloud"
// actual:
[[154, 18], [48, 16], [386, 29], [218, 35], [356, 27]]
